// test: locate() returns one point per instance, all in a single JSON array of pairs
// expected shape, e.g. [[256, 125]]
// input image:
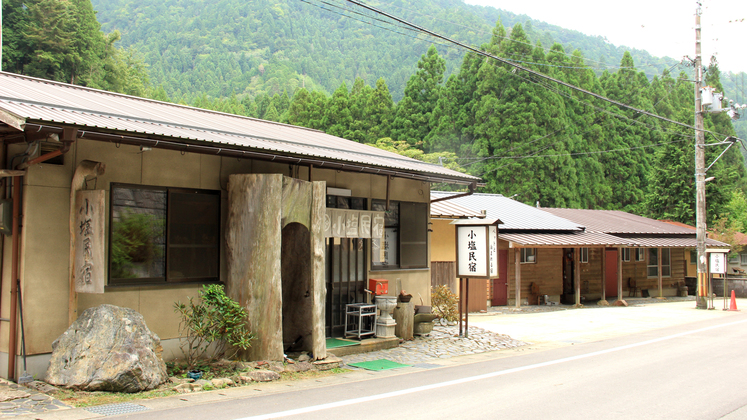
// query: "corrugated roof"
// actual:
[[618, 222], [513, 214], [450, 210], [570, 239], [37, 100], [674, 242]]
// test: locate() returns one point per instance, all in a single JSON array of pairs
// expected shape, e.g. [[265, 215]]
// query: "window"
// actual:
[[639, 255], [743, 259], [405, 240], [693, 256], [163, 235], [584, 257], [653, 262], [528, 255], [626, 254]]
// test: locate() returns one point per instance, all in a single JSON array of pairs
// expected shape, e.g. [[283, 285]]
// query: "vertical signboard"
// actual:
[[493, 251], [472, 251], [89, 242], [718, 263]]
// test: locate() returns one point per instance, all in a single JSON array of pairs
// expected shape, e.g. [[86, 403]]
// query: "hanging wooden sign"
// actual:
[[89, 269]]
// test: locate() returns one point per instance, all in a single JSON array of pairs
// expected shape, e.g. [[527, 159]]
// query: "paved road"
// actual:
[[689, 369]]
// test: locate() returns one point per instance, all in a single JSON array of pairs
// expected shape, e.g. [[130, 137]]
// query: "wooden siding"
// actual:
[[547, 272], [444, 273], [638, 271]]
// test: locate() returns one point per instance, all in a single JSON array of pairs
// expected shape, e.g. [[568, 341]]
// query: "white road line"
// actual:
[[478, 377]]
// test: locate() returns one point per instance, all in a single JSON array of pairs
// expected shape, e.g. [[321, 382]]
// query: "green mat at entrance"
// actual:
[[381, 364], [336, 342]]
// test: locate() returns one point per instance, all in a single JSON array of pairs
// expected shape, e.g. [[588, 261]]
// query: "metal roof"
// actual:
[[43, 101], [513, 214], [450, 210], [619, 222], [673, 242], [569, 239]]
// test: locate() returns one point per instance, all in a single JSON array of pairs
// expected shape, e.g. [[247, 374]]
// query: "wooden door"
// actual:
[[346, 280], [611, 273], [500, 285]]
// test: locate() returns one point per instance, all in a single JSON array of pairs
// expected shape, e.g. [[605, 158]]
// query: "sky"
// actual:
[[661, 27]]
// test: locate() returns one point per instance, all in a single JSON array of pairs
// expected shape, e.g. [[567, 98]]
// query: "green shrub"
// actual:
[[444, 303], [217, 321]]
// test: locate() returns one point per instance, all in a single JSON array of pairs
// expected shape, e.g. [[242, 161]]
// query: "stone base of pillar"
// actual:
[[385, 331]]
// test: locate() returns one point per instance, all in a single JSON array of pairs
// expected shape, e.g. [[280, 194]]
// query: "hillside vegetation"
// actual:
[[365, 79]]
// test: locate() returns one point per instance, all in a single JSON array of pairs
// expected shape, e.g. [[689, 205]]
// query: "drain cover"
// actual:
[[116, 409]]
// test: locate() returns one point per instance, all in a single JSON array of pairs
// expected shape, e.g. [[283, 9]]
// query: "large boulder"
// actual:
[[107, 348]]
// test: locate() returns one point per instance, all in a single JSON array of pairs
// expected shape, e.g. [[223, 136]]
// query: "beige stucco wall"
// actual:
[[45, 240], [443, 240]]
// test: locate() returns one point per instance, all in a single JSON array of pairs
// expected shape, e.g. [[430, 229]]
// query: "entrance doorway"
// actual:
[[611, 273], [500, 285], [346, 280], [569, 284]]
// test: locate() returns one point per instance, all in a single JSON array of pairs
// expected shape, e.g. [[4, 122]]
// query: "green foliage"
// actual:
[[63, 41], [213, 328], [444, 303], [134, 239]]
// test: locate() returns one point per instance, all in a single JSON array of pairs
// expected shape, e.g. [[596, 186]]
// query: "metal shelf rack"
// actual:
[[360, 320]]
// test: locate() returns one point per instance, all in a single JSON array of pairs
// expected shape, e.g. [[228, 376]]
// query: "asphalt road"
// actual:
[[687, 371]]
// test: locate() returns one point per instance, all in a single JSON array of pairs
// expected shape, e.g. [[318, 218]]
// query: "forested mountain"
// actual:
[[220, 47], [371, 81]]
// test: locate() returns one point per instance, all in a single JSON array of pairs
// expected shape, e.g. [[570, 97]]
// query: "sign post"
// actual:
[[476, 256], [717, 266]]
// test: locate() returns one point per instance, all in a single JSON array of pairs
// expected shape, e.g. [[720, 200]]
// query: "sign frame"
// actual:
[[476, 243]]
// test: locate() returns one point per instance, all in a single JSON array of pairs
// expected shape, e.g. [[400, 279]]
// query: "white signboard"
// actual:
[[472, 251], [89, 241], [493, 250], [718, 263], [342, 223]]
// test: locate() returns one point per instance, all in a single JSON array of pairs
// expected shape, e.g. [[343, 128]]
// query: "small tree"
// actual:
[[444, 303], [216, 320]]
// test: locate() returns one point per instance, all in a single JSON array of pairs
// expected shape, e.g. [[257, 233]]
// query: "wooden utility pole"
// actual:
[[700, 196]]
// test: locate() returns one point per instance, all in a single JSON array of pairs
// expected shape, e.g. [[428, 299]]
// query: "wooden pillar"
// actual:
[[517, 276], [319, 285], [619, 273], [577, 274], [661, 282], [604, 273], [86, 169], [254, 272]]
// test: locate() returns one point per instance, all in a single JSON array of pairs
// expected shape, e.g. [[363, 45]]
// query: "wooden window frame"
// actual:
[[584, 255], [524, 258], [411, 226], [169, 245]]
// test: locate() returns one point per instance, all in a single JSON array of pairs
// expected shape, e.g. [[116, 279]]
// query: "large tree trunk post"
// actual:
[[253, 245], [86, 169], [319, 286]]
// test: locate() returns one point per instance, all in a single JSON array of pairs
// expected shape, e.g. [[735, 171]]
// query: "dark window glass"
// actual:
[[162, 234]]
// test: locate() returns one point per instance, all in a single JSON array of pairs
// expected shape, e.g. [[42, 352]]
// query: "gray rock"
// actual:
[[42, 387], [299, 367], [13, 394], [263, 375], [304, 357], [107, 348], [222, 382]]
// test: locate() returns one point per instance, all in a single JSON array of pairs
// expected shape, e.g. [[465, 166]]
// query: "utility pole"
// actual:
[[700, 187]]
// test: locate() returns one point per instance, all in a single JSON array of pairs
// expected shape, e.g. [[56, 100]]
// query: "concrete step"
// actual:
[[365, 345]]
